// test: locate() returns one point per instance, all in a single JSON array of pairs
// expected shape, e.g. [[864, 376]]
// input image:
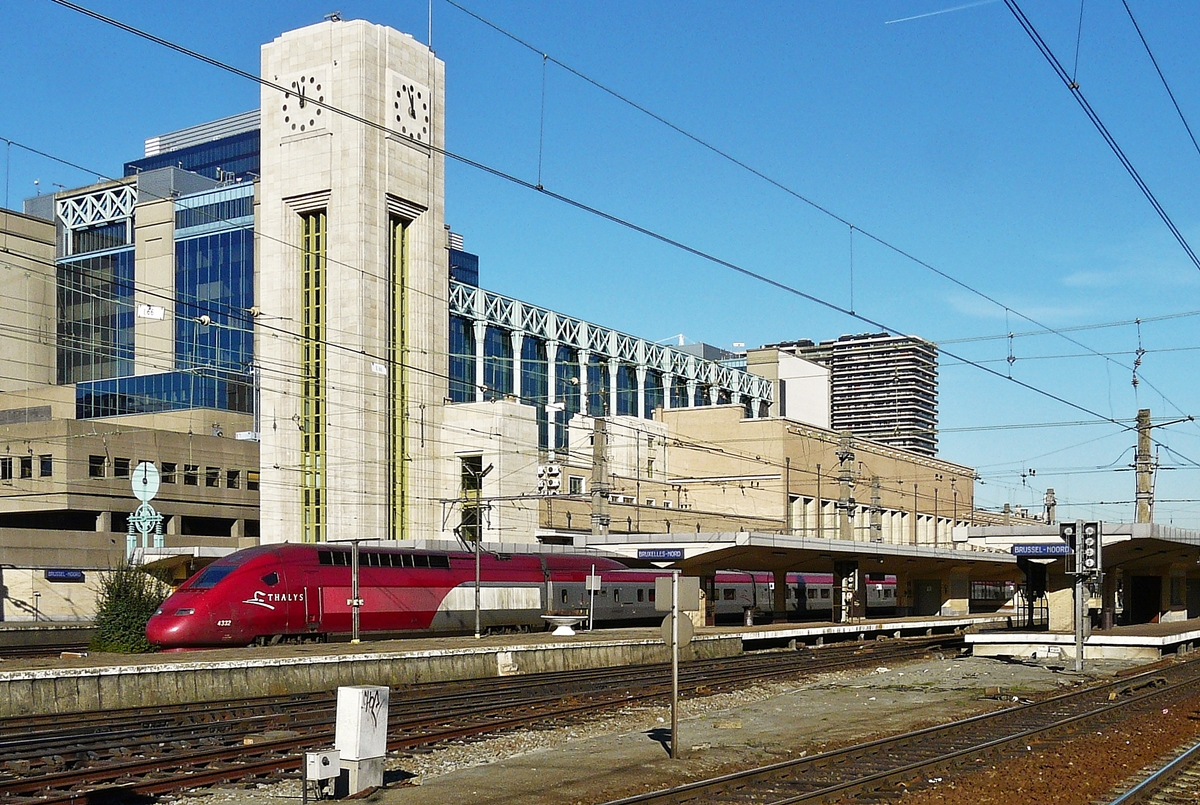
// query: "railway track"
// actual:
[[885, 769], [98, 757], [27, 651], [1176, 783]]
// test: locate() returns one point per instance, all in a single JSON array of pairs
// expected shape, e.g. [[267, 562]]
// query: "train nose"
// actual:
[[171, 629]]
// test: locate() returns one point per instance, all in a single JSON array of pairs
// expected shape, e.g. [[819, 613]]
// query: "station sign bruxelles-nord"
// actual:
[[660, 554], [1059, 549]]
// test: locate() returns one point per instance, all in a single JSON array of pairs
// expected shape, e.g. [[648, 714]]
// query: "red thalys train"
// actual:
[[291, 591]]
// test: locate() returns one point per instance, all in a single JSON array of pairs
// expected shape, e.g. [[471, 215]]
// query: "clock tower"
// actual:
[[351, 283]]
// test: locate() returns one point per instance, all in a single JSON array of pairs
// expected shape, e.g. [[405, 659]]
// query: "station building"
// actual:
[[272, 309]]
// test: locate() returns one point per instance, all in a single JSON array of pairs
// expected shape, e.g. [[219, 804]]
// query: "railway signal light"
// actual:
[[1066, 532], [1089, 548]]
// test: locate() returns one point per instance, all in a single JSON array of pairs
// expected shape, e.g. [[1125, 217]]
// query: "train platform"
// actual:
[[1145, 641], [102, 681]]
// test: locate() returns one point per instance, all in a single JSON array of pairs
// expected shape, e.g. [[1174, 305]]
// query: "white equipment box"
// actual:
[[362, 716]]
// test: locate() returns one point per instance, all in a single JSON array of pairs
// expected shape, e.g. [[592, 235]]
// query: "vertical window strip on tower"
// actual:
[[312, 367], [397, 358]]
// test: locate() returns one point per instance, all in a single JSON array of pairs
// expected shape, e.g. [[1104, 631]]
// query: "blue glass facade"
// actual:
[[654, 391], [566, 382], [462, 360], [95, 316], [235, 155], [535, 383], [497, 363], [679, 393], [597, 386], [169, 391], [627, 388], [214, 277], [464, 267]]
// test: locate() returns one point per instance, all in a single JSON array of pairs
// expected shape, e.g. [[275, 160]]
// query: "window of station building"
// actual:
[[252, 480], [233, 479], [471, 474], [6, 469], [26, 466], [212, 477], [191, 474], [497, 363], [45, 466], [462, 359], [168, 472], [100, 238], [650, 502], [96, 466], [120, 468], [95, 317], [574, 484]]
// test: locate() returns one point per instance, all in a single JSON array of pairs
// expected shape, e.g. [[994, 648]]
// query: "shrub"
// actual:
[[128, 597]]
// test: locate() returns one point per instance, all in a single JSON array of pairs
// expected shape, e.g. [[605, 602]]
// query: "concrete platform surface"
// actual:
[[1137, 642], [67, 685]]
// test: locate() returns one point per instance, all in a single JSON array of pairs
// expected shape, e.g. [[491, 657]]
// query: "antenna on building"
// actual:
[[333, 16]]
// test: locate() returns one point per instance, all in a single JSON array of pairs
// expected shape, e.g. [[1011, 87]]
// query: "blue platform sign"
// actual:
[[660, 554], [1058, 549], [64, 575]]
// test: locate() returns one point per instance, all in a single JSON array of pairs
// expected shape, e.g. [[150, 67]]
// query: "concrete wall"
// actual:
[[27, 286], [155, 683], [802, 388], [154, 253]]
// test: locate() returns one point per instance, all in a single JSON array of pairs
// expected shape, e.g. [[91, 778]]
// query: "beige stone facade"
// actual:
[[380, 344]]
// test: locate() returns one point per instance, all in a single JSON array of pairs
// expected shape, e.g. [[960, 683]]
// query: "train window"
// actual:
[[324, 557], [825, 593], [211, 575], [651, 594], [564, 595], [372, 559], [420, 560], [616, 594], [440, 561], [729, 594], [407, 559], [641, 595], [812, 592], [271, 579]]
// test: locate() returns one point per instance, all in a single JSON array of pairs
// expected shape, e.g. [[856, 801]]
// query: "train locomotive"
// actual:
[[303, 592]]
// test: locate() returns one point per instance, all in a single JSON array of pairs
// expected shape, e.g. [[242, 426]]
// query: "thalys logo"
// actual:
[[268, 600]]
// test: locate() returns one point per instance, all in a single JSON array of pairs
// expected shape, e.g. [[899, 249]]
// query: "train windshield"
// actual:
[[211, 575]]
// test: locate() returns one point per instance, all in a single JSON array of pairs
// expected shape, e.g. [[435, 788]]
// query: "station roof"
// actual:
[[706, 553], [1135, 548]]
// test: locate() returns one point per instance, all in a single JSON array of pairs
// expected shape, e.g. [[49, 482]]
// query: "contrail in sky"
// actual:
[[943, 11]]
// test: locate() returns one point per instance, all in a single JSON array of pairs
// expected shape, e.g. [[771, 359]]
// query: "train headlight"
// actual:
[[185, 611]]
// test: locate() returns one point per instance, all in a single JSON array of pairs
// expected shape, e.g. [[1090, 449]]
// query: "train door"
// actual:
[[312, 602]]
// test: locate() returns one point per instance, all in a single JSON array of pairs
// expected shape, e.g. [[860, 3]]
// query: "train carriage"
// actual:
[[305, 592]]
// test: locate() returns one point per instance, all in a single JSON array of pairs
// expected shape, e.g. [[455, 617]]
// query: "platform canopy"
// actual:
[[1135, 548], [703, 554]]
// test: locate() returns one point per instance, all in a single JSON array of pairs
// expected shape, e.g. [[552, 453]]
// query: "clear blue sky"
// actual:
[[946, 135]]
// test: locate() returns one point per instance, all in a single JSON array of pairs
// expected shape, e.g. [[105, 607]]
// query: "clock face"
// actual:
[[299, 113], [411, 109]]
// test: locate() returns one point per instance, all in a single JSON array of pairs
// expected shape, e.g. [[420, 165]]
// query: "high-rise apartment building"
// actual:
[[883, 387]]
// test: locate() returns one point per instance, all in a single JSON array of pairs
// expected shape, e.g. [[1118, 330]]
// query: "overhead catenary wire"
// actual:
[[726, 155], [1108, 138], [709, 257], [579, 205]]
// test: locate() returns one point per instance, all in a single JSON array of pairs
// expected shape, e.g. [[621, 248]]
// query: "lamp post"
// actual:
[[478, 538]]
